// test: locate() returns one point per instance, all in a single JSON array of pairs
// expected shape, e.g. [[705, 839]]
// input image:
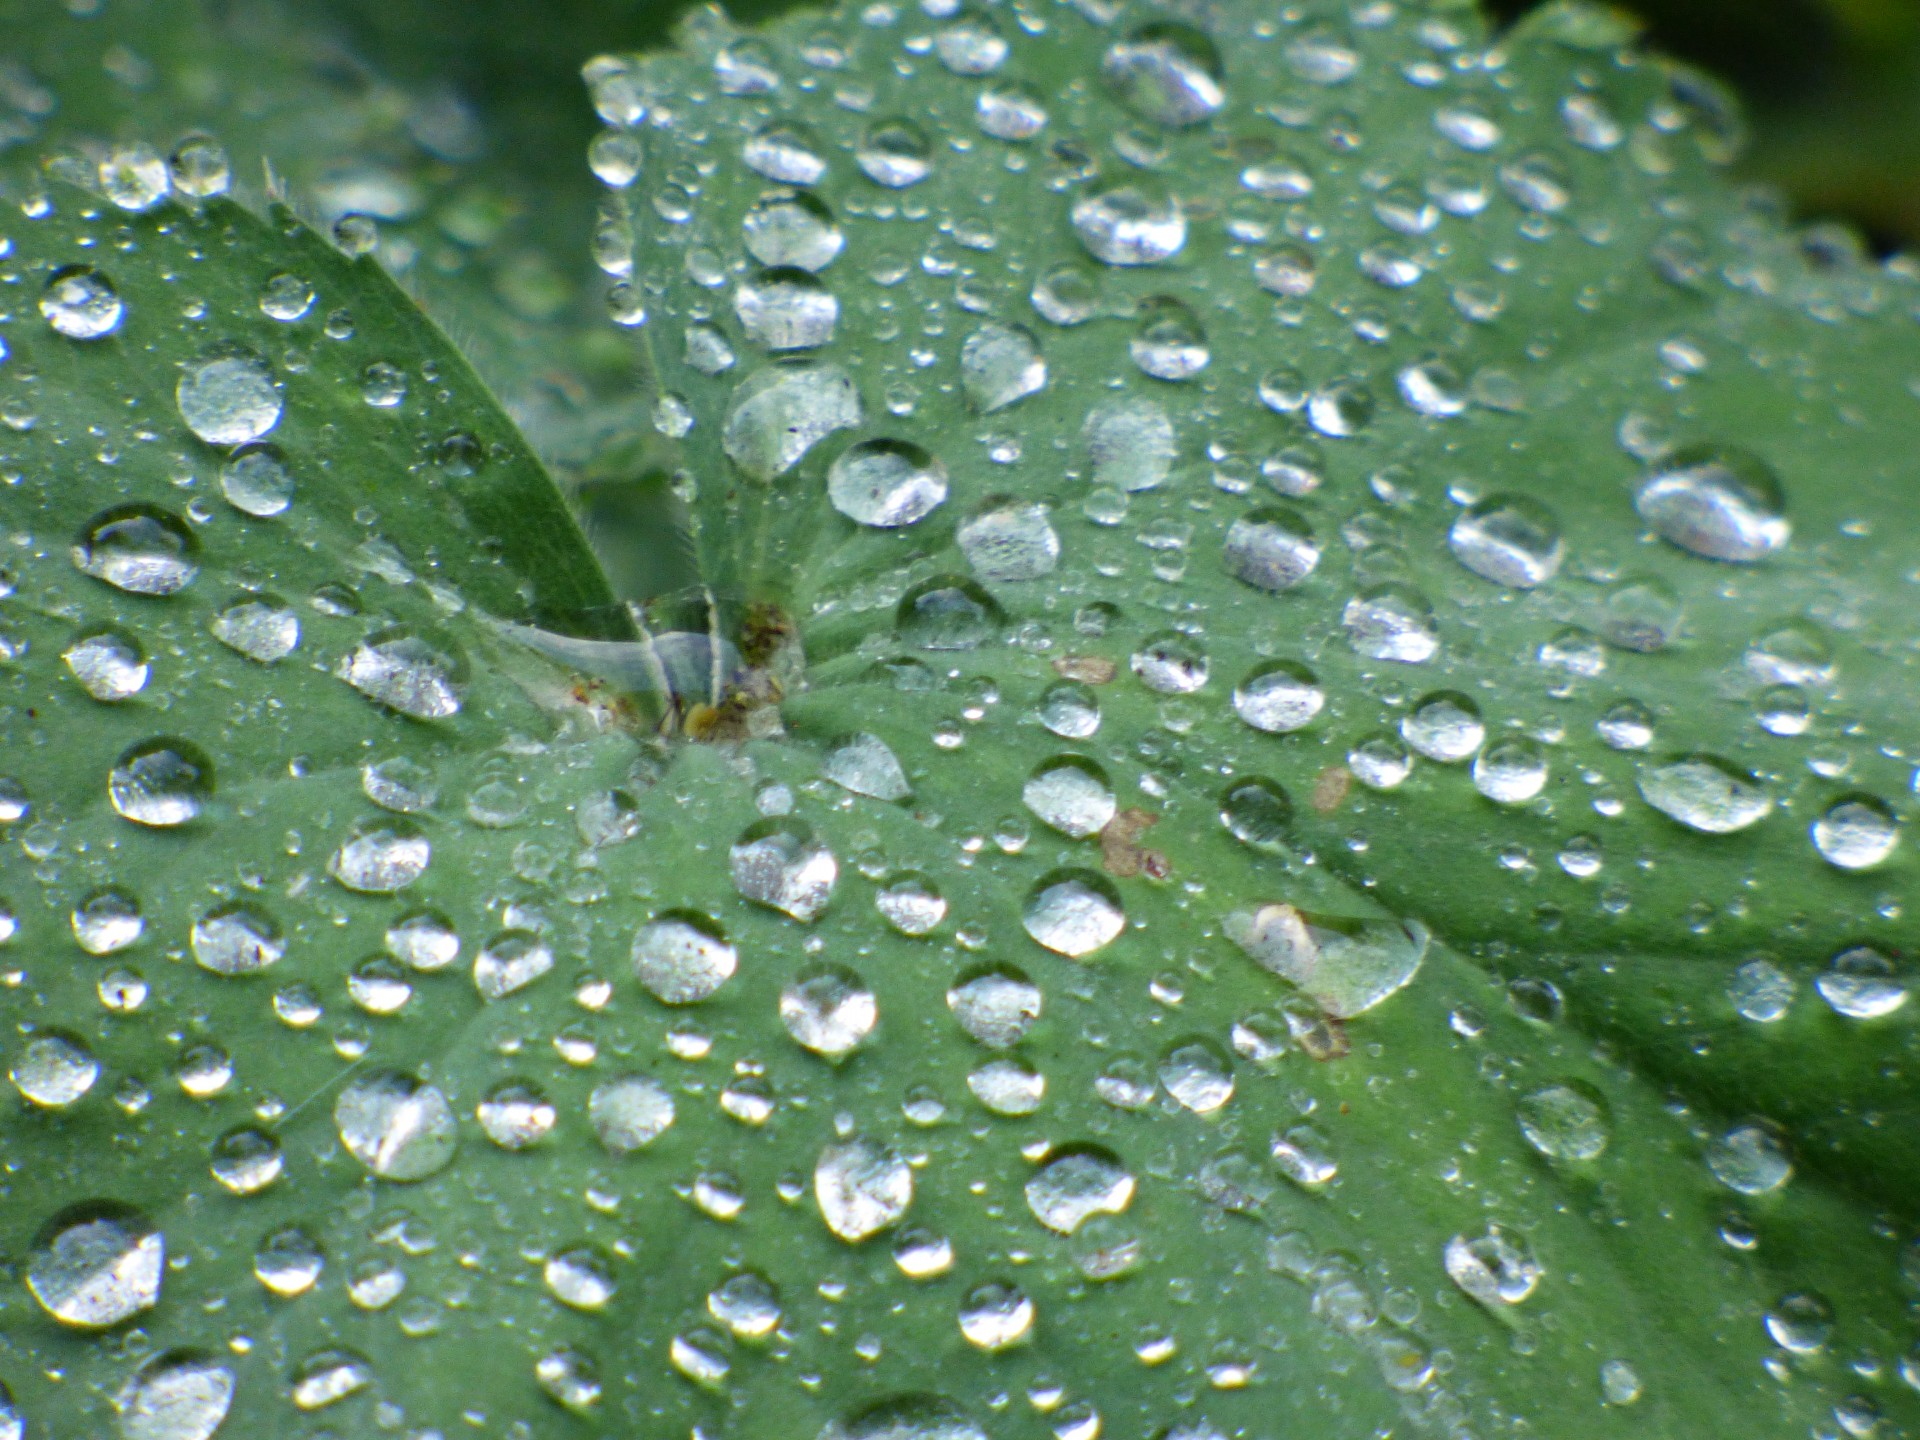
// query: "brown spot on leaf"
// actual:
[[1121, 853], [1087, 669], [1330, 788]]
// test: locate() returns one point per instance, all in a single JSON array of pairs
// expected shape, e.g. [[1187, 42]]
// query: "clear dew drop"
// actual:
[[1077, 1184], [747, 1304], [515, 1115], [54, 1070], [683, 958], [423, 940], [134, 177], [262, 627], [777, 415], [107, 921], [1007, 1086], [784, 153], [1566, 1121], [1169, 74], [177, 1395], [1073, 913], [971, 46], [139, 549], [327, 1377], [256, 482], [580, 1278], [1198, 1076], [864, 764], [1133, 222], [1749, 1159], [945, 613], [995, 1005], [1495, 1269], [1301, 1155], [1862, 984], [1009, 540], [1271, 549], [509, 962], [1001, 364], [160, 783], [786, 310], [1070, 710], [996, 1316], [1391, 622], [1066, 295], [399, 667], [1761, 991], [911, 904], [246, 1161], [288, 1263], [1510, 540], [236, 939], [780, 864], [286, 297], [1170, 664], [1511, 771], [1287, 271], [1340, 410], [793, 231], [886, 484], [861, 1188], [1010, 112], [1856, 832], [630, 1113], [379, 857], [81, 303], [109, 665], [399, 1127], [1626, 725], [1619, 1383], [1072, 795], [829, 1010], [1279, 698], [97, 1264], [1348, 965], [894, 153], [1322, 56], [1445, 727], [1169, 342], [1801, 1323], [199, 167], [1717, 502], [1257, 813], [1705, 793], [908, 1417], [1131, 444], [228, 397]]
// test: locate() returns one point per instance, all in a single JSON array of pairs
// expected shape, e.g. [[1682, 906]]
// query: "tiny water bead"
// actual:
[[97, 1264], [161, 783], [139, 549], [228, 397], [1716, 502], [81, 303], [1705, 793], [399, 1127]]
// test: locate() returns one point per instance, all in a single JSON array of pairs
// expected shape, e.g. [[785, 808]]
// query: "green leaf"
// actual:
[[1055, 1002]]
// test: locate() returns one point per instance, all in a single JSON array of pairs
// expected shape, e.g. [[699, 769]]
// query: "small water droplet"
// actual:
[[161, 783], [1566, 1121], [1169, 74], [409, 671], [1856, 832], [81, 303], [1000, 364]]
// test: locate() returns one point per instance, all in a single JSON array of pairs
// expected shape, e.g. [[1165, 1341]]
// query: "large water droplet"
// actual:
[[234, 939], [911, 904], [418, 675], [1073, 913], [81, 303], [1008, 540], [1496, 1269], [1130, 223], [54, 1070], [261, 627], [1391, 622], [1749, 1159], [947, 614], [1856, 832], [228, 397], [630, 1113], [139, 549], [109, 664], [1862, 984], [1348, 965], [161, 783], [256, 482], [1509, 540], [1000, 364], [886, 483], [1272, 549], [1444, 727], [1567, 1121], [861, 1188], [866, 765], [996, 1005], [381, 856], [1072, 795], [399, 1127], [779, 863], [1510, 771], [1171, 663], [778, 414], [1131, 444], [97, 1264], [1279, 698], [785, 153], [1169, 74], [1716, 501], [786, 310], [829, 1010], [792, 231], [1705, 793], [1076, 1184], [178, 1395]]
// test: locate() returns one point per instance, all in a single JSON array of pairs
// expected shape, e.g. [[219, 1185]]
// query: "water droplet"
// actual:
[[109, 665], [630, 1113], [862, 1188], [1509, 540], [1279, 698], [747, 1304], [96, 1264], [1431, 388], [785, 153], [1705, 793], [1749, 1159], [996, 1316], [615, 157], [886, 483], [1801, 1323], [81, 303], [1380, 762], [1169, 343], [1321, 56], [971, 46], [1627, 725], [1340, 410], [134, 177], [160, 783], [199, 167], [328, 1377], [256, 482], [947, 614], [1761, 991], [399, 1127], [423, 940], [107, 921], [516, 1115], [1171, 664], [1301, 1155], [1257, 812], [1131, 223], [1391, 622], [383, 385], [792, 231], [1495, 1269], [1444, 727], [1073, 913], [178, 1395], [1348, 965], [1197, 1076], [228, 397], [746, 67], [912, 905], [1169, 74], [1000, 364], [1066, 295], [1717, 502], [786, 310], [234, 939], [139, 549], [908, 1417], [1272, 549], [829, 1010], [286, 297], [1072, 795], [779, 863], [1861, 984], [261, 627], [246, 1161], [1510, 771], [865, 765], [1856, 832], [288, 1262], [894, 153], [1131, 444], [1619, 1383], [580, 1278], [995, 1005], [778, 414], [1010, 112], [1566, 1121], [1009, 540], [54, 1070], [380, 857], [510, 962], [409, 671], [1007, 1086]]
